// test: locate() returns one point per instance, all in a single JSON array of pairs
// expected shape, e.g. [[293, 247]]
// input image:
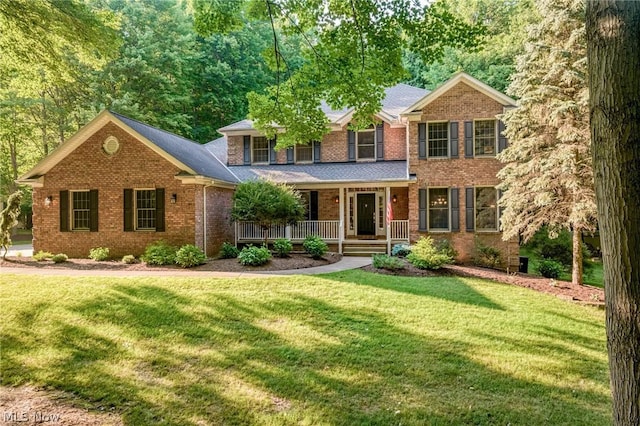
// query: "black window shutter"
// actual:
[[351, 143], [159, 209], [316, 152], [422, 210], [468, 139], [247, 150], [128, 210], [313, 205], [290, 155], [453, 139], [273, 155], [503, 142], [64, 211], [422, 140], [469, 205], [93, 210], [455, 210], [380, 142]]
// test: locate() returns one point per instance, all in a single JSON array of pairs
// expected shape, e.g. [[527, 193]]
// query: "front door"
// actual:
[[366, 214]]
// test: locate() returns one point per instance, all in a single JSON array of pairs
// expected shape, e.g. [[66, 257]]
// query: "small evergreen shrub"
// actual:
[[228, 251], [487, 256], [550, 268], [159, 253], [383, 261], [42, 256], [315, 246], [254, 256], [425, 255], [189, 256], [59, 258], [444, 246], [129, 259], [282, 247], [401, 250], [99, 254]]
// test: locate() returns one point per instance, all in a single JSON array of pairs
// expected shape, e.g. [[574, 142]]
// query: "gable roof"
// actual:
[[460, 77]]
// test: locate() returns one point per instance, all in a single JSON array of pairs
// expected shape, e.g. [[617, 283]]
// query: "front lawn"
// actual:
[[348, 348]]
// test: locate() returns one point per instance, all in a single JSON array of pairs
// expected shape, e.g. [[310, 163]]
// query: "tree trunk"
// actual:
[[577, 272], [613, 38]]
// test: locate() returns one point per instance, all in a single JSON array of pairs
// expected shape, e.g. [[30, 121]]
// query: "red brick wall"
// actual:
[[133, 166], [220, 229], [395, 143], [235, 150]]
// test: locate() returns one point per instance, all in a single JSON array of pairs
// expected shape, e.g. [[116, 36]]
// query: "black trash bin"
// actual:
[[524, 265]]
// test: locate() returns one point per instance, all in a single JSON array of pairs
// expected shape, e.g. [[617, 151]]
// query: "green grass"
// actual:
[[349, 348], [595, 278]]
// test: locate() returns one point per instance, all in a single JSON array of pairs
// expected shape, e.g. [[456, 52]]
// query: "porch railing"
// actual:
[[400, 230], [328, 230]]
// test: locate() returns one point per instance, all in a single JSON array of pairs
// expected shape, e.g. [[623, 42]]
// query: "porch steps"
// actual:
[[354, 249]]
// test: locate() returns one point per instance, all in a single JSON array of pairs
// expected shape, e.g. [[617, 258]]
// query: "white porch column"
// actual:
[[341, 217], [386, 218]]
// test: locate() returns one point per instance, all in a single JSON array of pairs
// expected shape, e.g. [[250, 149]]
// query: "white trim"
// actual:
[[295, 153], [495, 137], [135, 210], [260, 163], [375, 145], [448, 138], [439, 230], [71, 209]]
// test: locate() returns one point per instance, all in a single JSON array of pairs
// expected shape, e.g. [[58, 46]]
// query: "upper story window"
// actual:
[[366, 144], [260, 150], [438, 139], [304, 153], [438, 209], [145, 209], [80, 210], [486, 209], [484, 135]]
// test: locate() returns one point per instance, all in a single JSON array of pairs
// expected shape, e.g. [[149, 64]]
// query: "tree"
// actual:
[[9, 219], [267, 203], [613, 35], [548, 175]]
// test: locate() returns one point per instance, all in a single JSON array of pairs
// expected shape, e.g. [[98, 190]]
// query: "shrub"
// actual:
[[129, 259], [228, 251], [99, 253], [487, 256], [424, 255], [315, 246], [550, 268], [159, 253], [444, 246], [189, 256], [254, 256], [42, 255], [282, 247], [559, 249], [59, 258], [401, 250], [383, 261]]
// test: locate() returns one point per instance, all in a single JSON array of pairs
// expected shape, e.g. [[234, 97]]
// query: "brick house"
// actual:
[[427, 168]]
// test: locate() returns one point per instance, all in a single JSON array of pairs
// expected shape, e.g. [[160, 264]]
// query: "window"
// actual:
[[304, 153], [366, 144], [486, 209], [438, 209], [145, 209], [485, 137], [438, 139], [260, 149], [80, 210]]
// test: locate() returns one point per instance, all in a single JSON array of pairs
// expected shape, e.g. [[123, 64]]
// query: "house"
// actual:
[[427, 168]]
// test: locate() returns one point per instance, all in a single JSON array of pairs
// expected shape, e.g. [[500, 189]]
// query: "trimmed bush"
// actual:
[[424, 255], [228, 251], [444, 246], [42, 256], [59, 258], [99, 254], [159, 253], [282, 247], [189, 256], [401, 250], [486, 256], [315, 246], [129, 259], [254, 256], [383, 261], [550, 268]]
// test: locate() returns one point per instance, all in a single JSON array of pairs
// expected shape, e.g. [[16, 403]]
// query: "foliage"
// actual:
[[59, 258], [400, 250], [443, 245], [486, 256], [425, 255], [559, 248], [384, 261], [315, 246], [550, 268], [254, 256], [282, 247], [99, 253], [189, 256], [42, 256], [9, 219], [129, 259], [159, 253], [228, 251]]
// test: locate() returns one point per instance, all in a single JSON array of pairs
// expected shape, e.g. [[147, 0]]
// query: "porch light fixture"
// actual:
[[336, 199], [48, 200], [174, 198], [395, 198]]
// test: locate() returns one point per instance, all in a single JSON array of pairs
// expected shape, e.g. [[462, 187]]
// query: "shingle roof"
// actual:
[[218, 147], [190, 153]]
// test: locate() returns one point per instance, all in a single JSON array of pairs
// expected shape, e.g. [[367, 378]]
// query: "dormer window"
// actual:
[[366, 144], [260, 150], [304, 153]]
